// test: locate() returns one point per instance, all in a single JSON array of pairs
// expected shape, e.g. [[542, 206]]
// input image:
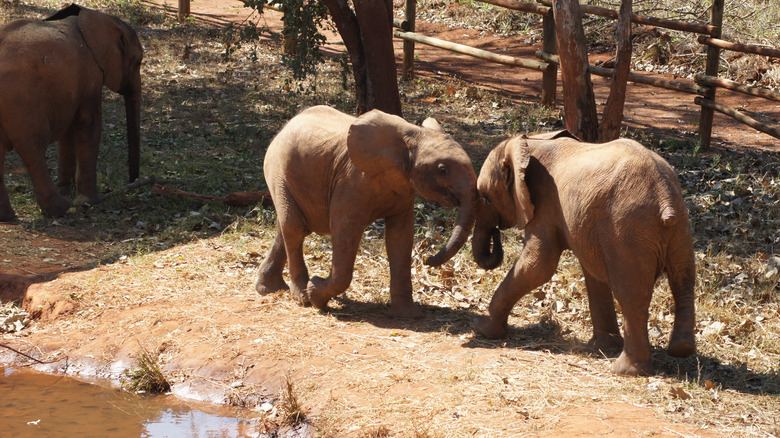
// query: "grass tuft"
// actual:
[[146, 376]]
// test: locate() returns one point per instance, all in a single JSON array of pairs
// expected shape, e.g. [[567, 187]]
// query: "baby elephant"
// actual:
[[618, 207], [331, 173]]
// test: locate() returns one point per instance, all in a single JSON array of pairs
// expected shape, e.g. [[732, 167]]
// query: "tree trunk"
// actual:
[[368, 35], [612, 119], [349, 30], [579, 103]]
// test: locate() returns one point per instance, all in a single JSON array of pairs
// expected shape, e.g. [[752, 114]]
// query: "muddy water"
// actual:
[[41, 405]]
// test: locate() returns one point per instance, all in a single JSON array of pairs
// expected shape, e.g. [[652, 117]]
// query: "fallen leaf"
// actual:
[[679, 393]]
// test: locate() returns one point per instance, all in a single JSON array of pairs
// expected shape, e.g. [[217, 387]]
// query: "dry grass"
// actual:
[[145, 376], [178, 276]]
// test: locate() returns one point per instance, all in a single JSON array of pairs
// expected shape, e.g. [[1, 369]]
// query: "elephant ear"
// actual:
[[433, 124], [105, 36], [516, 159], [378, 144]]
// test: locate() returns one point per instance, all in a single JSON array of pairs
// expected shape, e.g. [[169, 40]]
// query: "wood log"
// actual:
[[471, 51], [736, 115], [237, 199], [685, 87], [683, 26], [711, 69], [520, 6], [736, 47], [713, 81]]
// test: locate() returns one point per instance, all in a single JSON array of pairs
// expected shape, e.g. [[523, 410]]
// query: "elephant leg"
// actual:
[[269, 277], [681, 272], [33, 155], [346, 235], [633, 289], [66, 169], [293, 233], [87, 138], [6, 211], [399, 242], [606, 333], [535, 267]]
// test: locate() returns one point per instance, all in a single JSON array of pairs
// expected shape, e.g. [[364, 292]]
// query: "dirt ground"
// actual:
[[357, 372]]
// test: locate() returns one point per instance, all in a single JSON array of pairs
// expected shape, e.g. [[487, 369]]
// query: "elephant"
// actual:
[[618, 207], [52, 74], [332, 173]]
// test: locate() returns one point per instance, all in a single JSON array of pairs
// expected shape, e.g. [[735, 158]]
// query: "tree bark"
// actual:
[[612, 119], [349, 30], [367, 33], [579, 103]]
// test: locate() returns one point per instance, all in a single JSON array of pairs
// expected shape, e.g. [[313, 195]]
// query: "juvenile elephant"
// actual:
[[331, 173], [618, 207], [52, 75]]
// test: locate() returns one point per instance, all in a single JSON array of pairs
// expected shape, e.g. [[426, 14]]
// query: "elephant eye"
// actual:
[[443, 169]]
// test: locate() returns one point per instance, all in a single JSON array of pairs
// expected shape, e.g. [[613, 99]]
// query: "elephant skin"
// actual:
[[331, 173], [618, 207], [52, 74]]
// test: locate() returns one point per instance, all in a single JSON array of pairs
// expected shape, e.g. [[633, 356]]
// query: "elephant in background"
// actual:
[[618, 207], [52, 74], [331, 173]]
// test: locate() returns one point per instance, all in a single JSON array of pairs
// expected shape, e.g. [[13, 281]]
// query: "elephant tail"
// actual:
[[668, 215]]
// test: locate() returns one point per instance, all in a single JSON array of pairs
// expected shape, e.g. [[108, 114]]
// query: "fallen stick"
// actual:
[[237, 199]]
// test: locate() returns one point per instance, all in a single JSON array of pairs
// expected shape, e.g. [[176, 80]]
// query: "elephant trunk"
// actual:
[[485, 256], [463, 225], [133, 115]]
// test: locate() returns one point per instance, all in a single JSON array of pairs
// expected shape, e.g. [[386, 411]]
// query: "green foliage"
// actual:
[[302, 20]]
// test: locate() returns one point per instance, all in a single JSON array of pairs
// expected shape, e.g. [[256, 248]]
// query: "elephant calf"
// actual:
[[618, 207], [52, 74], [331, 173]]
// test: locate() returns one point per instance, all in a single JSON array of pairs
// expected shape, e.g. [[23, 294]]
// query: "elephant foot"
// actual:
[[606, 342], [81, 199], [682, 345], [56, 206], [267, 284], [300, 296], [624, 366], [7, 216], [406, 310], [489, 328], [317, 292]]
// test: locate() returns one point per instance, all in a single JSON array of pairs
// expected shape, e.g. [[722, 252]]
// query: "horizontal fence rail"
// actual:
[[463, 49], [684, 87]]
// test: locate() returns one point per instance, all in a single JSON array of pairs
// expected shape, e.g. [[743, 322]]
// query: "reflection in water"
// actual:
[[41, 405]]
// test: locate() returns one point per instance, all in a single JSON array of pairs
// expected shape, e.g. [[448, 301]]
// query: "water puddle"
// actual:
[[35, 405]]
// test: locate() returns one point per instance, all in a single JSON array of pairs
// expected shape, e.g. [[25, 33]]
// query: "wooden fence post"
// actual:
[[550, 76], [711, 69], [184, 10], [410, 10]]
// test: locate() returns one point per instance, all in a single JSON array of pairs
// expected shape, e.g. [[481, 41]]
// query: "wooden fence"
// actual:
[[704, 85]]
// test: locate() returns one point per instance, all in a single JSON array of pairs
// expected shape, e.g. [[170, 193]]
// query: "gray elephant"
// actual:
[[618, 207], [331, 173], [52, 75]]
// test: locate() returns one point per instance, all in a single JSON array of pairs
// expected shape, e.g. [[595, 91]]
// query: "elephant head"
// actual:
[[505, 199], [435, 165], [118, 52]]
